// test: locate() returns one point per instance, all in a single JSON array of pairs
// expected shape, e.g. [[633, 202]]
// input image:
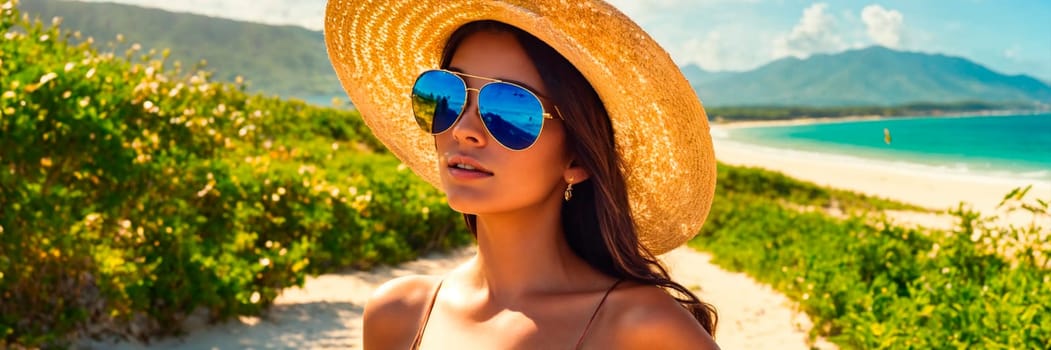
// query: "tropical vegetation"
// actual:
[[134, 194], [870, 284]]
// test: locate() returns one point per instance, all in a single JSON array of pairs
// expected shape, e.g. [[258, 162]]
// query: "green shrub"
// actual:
[[131, 196], [880, 286], [737, 180]]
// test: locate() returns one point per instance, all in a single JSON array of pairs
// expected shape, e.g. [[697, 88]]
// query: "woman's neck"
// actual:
[[524, 253]]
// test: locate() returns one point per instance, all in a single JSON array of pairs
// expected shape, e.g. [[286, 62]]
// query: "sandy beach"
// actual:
[[934, 190]]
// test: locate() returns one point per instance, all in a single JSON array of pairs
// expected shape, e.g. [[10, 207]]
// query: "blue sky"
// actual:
[[1010, 36]]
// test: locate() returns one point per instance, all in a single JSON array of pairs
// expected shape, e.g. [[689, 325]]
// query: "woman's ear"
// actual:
[[575, 173]]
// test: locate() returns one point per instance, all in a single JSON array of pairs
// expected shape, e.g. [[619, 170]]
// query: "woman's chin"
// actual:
[[464, 204], [477, 203]]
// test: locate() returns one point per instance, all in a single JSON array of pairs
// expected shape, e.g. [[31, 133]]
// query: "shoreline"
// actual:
[[920, 184], [735, 124]]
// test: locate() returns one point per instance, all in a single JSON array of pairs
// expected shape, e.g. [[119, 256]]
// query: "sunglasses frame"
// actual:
[[540, 98]]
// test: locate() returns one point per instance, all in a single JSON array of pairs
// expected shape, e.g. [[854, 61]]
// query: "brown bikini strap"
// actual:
[[426, 316], [580, 342]]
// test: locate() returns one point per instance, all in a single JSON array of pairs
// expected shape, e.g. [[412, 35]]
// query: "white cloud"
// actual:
[[703, 32], [726, 48], [816, 32], [707, 52], [883, 26], [1011, 52]]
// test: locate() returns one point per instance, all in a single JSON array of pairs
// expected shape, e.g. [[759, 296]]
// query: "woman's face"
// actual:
[[510, 180]]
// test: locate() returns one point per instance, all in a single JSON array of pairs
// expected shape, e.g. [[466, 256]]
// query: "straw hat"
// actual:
[[378, 47]]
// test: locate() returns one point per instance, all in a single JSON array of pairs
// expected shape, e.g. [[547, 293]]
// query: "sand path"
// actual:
[[326, 312]]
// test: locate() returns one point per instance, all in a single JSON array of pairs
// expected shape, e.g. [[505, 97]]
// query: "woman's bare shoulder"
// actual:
[[393, 312], [646, 317]]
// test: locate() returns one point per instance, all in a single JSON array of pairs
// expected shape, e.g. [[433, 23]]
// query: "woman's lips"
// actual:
[[464, 174], [464, 167]]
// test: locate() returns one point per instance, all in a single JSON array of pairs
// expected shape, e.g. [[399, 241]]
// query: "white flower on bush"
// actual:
[[934, 251], [69, 66], [175, 90], [255, 297], [207, 188], [48, 77], [264, 261], [304, 169]]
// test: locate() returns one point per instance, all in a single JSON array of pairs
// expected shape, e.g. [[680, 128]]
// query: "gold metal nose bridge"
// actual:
[[478, 109]]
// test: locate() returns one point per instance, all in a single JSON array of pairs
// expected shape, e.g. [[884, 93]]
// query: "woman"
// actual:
[[570, 182]]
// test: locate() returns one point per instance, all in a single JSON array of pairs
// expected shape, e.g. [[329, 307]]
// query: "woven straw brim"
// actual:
[[379, 47]]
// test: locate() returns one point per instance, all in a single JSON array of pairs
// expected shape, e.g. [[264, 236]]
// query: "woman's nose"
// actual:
[[469, 128]]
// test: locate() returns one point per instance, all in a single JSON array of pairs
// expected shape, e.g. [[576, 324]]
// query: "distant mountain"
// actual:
[[870, 76], [697, 75], [285, 60], [291, 61]]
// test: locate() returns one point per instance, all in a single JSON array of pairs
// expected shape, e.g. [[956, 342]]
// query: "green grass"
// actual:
[[878, 286], [748, 182]]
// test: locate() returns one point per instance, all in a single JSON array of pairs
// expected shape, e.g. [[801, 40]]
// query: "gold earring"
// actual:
[[569, 190]]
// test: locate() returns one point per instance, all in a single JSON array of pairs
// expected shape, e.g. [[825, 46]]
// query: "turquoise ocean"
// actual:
[[1016, 147]]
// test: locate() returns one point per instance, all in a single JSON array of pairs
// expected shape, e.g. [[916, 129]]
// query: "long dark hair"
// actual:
[[597, 222]]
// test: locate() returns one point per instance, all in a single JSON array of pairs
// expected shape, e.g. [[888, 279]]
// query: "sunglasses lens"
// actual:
[[438, 98], [513, 115]]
